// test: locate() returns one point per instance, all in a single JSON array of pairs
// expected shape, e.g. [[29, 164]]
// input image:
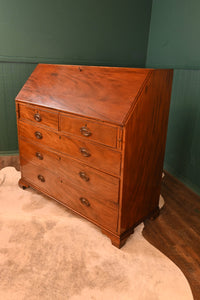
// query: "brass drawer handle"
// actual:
[[39, 155], [84, 176], [37, 117], [85, 131], [38, 135], [41, 178], [85, 152], [85, 201]]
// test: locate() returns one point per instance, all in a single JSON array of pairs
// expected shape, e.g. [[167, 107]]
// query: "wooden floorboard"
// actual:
[[176, 232]]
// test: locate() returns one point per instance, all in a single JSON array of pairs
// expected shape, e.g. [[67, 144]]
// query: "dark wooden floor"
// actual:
[[176, 232]]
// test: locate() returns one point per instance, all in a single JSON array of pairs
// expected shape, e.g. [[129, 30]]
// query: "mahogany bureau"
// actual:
[[93, 138]]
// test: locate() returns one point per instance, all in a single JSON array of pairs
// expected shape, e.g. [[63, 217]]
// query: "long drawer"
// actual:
[[75, 198], [105, 187], [95, 155]]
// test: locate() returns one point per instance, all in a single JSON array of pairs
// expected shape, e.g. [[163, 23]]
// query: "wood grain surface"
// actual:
[[99, 132], [45, 117], [93, 92], [100, 157], [103, 185], [145, 138], [70, 196]]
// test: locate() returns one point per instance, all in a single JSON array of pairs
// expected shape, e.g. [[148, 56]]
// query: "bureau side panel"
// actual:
[[145, 139]]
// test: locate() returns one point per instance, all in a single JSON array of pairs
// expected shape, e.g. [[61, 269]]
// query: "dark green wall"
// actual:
[[93, 32], [174, 34], [182, 157], [12, 78], [112, 32], [174, 43]]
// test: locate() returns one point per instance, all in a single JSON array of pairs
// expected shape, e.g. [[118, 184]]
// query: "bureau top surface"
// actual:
[[104, 93]]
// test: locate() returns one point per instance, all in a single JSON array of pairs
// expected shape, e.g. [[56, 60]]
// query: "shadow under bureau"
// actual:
[[93, 138]]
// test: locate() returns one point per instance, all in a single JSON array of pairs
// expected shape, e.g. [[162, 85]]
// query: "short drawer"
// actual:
[[91, 130], [94, 155], [73, 197], [38, 116], [105, 187]]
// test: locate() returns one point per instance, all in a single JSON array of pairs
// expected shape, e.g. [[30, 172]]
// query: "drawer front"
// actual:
[[38, 116], [97, 156], [75, 198], [104, 186], [99, 132]]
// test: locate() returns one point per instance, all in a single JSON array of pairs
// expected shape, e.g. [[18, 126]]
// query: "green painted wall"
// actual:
[[174, 43], [174, 34], [112, 32], [93, 32], [12, 78], [182, 157]]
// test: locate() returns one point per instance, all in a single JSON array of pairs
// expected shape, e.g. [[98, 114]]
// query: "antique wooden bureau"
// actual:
[[93, 138]]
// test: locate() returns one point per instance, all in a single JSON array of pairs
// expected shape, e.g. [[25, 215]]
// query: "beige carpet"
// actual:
[[47, 252]]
